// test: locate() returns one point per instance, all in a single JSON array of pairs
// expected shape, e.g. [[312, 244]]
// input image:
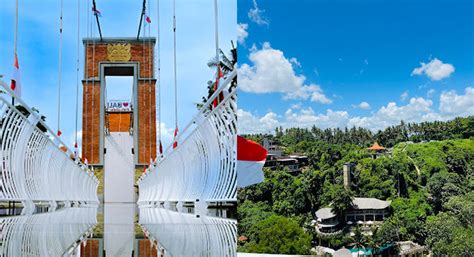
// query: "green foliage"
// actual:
[[341, 199], [424, 181], [277, 234], [448, 236], [451, 233]]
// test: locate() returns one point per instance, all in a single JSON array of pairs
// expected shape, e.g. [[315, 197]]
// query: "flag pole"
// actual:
[[60, 65], [175, 75], [15, 39], [216, 14]]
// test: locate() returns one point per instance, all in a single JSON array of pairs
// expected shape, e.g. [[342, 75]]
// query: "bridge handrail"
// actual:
[[204, 109], [203, 166], [37, 115], [33, 161]]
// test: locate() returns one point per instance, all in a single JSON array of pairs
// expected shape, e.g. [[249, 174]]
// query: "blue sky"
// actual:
[[345, 63], [39, 40]]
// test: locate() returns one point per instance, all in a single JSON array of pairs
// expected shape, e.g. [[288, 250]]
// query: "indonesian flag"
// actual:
[[16, 78], [147, 18], [96, 12], [161, 148], [175, 141], [59, 133], [76, 150], [216, 86], [250, 160]]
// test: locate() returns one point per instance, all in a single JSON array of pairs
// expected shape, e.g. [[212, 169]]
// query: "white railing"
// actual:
[[56, 233], [36, 166], [203, 166], [183, 234]]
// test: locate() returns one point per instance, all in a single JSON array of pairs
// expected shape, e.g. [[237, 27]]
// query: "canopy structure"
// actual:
[[376, 147], [202, 168], [37, 166]]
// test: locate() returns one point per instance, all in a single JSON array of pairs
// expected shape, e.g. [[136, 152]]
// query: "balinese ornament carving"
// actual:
[[119, 52]]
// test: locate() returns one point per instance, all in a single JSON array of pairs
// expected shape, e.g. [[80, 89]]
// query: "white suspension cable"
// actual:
[[150, 60], [159, 73], [15, 35], [77, 69], [60, 66], [216, 16], [175, 73]]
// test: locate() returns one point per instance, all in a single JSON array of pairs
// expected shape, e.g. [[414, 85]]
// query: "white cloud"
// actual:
[[256, 15], [166, 135], [295, 62], [363, 106], [416, 110], [430, 93], [312, 91], [307, 118], [248, 123], [404, 96], [272, 72], [435, 69], [391, 114], [242, 33], [452, 104]]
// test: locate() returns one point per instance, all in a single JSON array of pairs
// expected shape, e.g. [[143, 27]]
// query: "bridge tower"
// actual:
[[119, 57]]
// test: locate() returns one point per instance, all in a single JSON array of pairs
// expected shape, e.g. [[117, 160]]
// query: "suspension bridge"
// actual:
[[197, 170]]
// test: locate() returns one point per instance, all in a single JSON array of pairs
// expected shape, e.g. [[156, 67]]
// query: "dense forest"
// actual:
[[428, 176]]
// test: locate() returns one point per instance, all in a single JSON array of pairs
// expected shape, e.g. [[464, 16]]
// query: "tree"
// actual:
[[279, 235], [449, 237], [341, 200]]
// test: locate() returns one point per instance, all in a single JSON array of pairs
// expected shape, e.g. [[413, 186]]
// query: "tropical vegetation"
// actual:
[[428, 175]]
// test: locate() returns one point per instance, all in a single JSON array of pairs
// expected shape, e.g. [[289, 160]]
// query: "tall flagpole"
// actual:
[[159, 74], [15, 40], [60, 68], [15, 37], [77, 71], [175, 74], [216, 14]]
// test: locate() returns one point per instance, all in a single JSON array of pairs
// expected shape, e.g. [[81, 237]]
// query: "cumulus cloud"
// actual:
[[452, 104], [363, 106], [166, 134], [256, 15], [435, 69], [272, 72], [417, 109], [249, 123], [242, 33]]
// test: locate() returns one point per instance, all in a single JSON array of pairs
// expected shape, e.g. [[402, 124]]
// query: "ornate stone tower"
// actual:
[[119, 57]]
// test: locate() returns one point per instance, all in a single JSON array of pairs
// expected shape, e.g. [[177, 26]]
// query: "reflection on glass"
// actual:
[[56, 233], [184, 234]]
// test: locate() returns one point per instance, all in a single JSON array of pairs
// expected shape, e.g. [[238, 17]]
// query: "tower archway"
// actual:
[[119, 57]]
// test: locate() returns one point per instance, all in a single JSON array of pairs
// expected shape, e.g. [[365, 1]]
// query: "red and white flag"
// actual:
[[16, 78], [161, 148], [175, 140], [147, 18], [76, 151], [250, 160], [219, 98]]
